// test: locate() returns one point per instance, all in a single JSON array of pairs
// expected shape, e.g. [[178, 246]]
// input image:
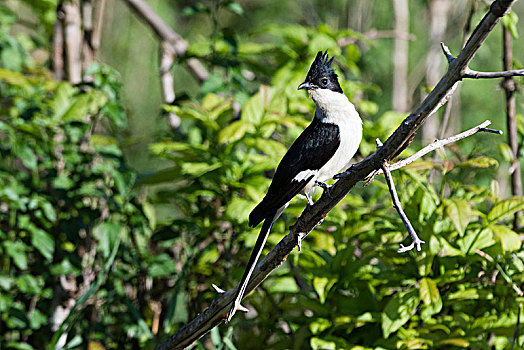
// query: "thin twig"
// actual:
[[436, 145], [415, 241], [307, 221], [473, 74]]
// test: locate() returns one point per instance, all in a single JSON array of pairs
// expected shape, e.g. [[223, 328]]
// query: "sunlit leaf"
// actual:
[[43, 242], [459, 212], [233, 132], [199, 169], [398, 311], [510, 239], [505, 208], [430, 296]]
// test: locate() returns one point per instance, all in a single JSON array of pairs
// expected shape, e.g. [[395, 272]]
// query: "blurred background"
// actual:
[[136, 136]]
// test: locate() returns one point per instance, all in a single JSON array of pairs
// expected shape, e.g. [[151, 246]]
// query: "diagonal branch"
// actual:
[[214, 315]]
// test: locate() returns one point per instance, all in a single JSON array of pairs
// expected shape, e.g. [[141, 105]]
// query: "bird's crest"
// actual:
[[321, 66]]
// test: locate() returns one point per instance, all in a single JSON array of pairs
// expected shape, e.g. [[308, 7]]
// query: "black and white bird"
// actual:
[[324, 149]]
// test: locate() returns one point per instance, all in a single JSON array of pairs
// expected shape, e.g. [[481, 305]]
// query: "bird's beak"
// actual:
[[306, 85]]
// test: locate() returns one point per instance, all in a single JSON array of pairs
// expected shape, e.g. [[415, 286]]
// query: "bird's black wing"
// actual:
[[310, 151]]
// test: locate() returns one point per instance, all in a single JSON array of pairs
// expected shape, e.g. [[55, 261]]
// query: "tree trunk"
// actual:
[[511, 121], [438, 12], [400, 97]]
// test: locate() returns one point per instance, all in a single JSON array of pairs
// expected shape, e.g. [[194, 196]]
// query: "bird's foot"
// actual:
[[310, 201], [325, 187]]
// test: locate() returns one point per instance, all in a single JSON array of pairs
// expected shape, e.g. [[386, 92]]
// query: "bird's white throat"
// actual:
[[333, 107]]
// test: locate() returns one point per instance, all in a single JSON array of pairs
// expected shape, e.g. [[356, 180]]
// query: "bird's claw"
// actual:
[[325, 187]]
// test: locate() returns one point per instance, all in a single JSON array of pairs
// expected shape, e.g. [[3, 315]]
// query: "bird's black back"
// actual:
[[310, 151]]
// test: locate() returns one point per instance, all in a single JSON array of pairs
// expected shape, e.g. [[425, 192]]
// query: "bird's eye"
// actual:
[[324, 81]]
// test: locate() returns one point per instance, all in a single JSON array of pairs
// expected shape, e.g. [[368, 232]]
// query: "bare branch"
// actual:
[[161, 29], [415, 241], [473, 74], [310, 218], [97, 24], [447, 52], [439, 144], [166, 34], [166, 76]]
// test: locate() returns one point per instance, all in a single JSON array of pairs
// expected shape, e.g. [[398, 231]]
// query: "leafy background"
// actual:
[[108, 214]]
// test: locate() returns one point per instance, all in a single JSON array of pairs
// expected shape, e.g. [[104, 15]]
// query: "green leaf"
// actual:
[[48, 210], [430, 296], [322, 286], [507, 154], [319, 325], [27, 156], [476, 239], [254, 109], [19, 346], [235, 7], [282, 285], [29, 284], [459, 212], [320, 344], [233, 132], [398, 311], [107, 234], [480, 162], [510, 21], [509, 239], [463, 343], [161, 265], [505, 208], [238, 209], [16, 250], [84, 105], [43, 242], [5, 302], [199, 169]]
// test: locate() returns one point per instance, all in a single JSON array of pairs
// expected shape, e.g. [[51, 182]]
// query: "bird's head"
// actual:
[[321, 75]]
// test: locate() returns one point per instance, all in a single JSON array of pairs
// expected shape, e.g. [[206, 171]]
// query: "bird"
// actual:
[[324, 149]]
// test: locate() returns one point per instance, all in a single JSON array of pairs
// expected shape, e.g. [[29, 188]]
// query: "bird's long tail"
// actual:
[[255, 254]]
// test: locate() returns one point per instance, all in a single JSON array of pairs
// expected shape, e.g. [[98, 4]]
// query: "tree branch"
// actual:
[[166, 34], [473, 74], [439, 144], [307, 221], [416, 242], [172, 45]]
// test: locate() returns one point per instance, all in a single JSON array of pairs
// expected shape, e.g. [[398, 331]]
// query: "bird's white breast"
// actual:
[[335, 108]]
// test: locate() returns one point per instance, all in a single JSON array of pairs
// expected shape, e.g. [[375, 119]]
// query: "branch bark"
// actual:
[[214, 315]]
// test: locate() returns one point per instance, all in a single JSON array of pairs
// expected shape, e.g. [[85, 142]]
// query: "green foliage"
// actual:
[[132, 255]]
